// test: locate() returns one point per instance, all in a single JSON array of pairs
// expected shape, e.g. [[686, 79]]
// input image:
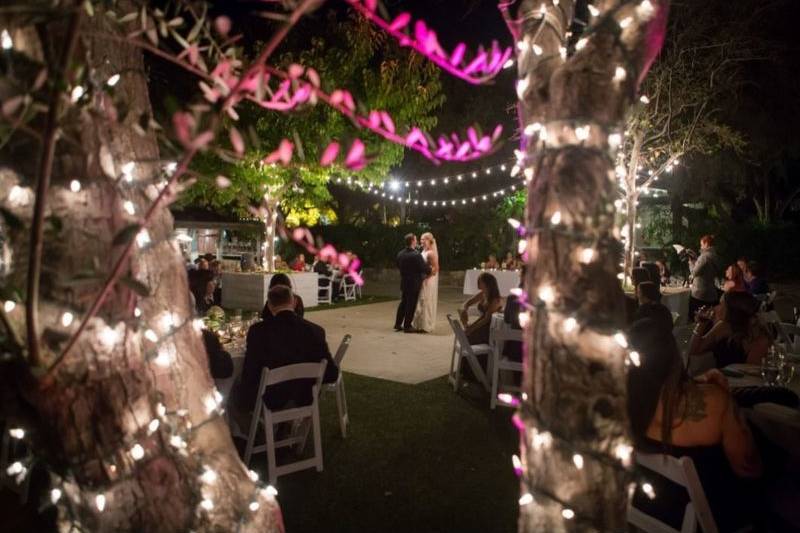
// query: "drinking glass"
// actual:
[[770, 371]]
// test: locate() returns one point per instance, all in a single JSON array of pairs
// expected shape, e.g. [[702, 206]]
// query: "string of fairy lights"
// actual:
[[411, 192]]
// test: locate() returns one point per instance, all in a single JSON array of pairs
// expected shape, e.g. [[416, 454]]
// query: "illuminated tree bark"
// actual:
[[126, 421], [574, 94]]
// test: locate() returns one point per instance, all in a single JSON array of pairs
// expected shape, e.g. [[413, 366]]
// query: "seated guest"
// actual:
[[736, 336], [650, 306], [285, 339], [286, 281], [201, 285], [509, 263], [653, 272], [219, 361], [663, 272], [491, 263], [488, 301], [638, 275], [756, 283], [299, 264], [742, 263], [672, 414], [734, 280]]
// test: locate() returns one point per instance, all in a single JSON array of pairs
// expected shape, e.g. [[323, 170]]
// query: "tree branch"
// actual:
[[42, 185]]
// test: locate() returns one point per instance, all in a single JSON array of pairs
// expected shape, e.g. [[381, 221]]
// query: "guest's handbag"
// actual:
[[750, 396]]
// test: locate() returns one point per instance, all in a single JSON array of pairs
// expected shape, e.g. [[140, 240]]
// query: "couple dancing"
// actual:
[[419, 285]]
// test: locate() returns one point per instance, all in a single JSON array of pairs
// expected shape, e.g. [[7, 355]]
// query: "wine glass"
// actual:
[[770, 370]]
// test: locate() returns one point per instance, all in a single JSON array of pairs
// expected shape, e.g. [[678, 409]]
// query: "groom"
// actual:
[[413, 270]]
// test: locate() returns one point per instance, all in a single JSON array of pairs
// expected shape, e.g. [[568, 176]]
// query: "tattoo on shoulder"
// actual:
[[695, 405]]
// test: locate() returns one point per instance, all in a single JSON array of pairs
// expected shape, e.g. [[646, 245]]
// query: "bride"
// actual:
[[425, 314]]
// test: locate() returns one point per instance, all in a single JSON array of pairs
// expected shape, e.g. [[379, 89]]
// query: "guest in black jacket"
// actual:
[[284, 339], [219, 361], [286, 281], [413, 270], [650, 306]]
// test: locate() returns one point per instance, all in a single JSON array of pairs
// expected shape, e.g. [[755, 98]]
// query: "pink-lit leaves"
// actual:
[[483, 67]]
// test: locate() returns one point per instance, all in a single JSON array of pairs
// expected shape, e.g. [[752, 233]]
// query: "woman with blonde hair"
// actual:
[[425, 314]]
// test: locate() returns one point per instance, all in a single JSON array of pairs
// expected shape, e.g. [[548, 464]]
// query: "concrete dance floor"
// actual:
[[378, 351]]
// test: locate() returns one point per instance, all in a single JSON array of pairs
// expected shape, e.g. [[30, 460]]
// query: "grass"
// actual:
[[365, 300], [417, 458]]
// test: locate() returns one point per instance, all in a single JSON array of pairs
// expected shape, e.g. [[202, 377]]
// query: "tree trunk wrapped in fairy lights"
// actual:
[[126, 418], [574, 93]]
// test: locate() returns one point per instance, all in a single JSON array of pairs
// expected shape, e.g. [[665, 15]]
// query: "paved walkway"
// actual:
[[378, 351]]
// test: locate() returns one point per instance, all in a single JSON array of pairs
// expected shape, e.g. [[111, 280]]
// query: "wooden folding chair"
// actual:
[[462, 349], [270, 419]]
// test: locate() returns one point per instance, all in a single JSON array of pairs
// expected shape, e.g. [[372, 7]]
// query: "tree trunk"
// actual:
[[126, 434], [574, 437]]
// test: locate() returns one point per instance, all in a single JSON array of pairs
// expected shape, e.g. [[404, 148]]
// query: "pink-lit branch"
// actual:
[[483, 67], [445, 148]]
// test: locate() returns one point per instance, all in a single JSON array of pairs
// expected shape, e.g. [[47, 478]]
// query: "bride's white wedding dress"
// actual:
[[425, 314]]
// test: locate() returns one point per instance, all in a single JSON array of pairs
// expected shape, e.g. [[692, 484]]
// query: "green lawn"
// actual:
[[366, 299], [417, 458]]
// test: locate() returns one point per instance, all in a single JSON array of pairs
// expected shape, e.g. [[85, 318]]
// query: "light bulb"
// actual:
[[547, 294], [647, 488], [569, 514], [17, 433], [207, 504], [9, 306], [137, 452], [570, 324], [6, 42], [635, 358], [100, 502], [75, 185], [113, 80], [577, 459], [587, 254], [208, 476], [644, 99], [619, 74], [55, 495], [254, 506], [537, 49], [129, 208], [153, 425], [556, 218], [525, 499], [620, 339], [76, 93]]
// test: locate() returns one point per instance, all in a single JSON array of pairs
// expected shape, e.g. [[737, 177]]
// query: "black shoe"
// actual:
[[409, 330], [398, 328]]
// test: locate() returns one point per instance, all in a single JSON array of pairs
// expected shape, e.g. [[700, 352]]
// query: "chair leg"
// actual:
[[317, 438], [457, 381], [251, 437], [269, 433], [495, 379], [341, 405]]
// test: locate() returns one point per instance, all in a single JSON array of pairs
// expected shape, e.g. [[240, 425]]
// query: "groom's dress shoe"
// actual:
[[397, 328], [409, 330]]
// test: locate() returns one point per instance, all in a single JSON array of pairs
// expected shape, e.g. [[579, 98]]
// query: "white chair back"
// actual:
[[269, 418], [462, 349], [342, 350], [325, 292], [682, 472]]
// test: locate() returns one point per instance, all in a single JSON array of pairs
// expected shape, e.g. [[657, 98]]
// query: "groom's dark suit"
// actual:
[[413, 270]]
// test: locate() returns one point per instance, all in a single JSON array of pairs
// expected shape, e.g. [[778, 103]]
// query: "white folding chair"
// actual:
[[348, 288], [358, 287], [497, 340], [462, 349], [269, 418], [338, 386], [792, 337], [681, 472], [325, 293], [773, 322]]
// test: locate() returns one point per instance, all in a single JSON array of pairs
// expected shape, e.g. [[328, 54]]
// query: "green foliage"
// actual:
[[657, 228], [348, 54]]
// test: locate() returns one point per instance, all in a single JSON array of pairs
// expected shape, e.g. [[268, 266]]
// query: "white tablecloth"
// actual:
[[248, 290], [506, 280]]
